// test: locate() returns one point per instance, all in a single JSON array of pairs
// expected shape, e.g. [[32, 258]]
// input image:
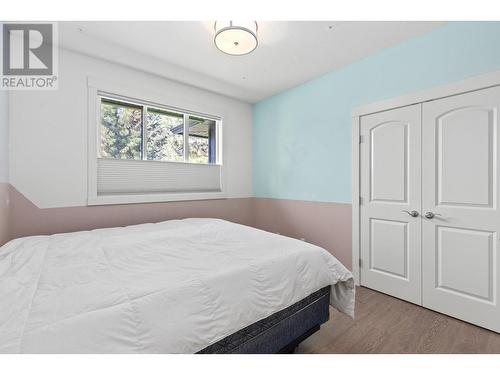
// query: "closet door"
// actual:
[[390, 185], [460, 195]]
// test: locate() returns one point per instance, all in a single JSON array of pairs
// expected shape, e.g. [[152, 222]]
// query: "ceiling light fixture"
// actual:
[[236, 38]]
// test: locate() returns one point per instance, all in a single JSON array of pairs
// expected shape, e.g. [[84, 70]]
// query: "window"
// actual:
[[141, 151], [147, 132], [165, 132], [121, 130], [202, 148]]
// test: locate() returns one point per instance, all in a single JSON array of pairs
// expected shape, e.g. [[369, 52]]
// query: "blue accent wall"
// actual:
[[302, 137]]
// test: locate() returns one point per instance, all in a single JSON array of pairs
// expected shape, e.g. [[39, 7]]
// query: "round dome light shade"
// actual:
[[236, 38]]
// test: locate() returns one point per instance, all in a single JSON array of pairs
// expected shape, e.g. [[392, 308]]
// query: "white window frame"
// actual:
[[148, 105], [97, 89]]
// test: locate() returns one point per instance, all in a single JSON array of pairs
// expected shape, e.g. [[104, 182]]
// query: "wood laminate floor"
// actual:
[[386, 324]]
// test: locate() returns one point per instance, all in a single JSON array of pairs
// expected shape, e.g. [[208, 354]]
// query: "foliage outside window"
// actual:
[[143, 132], [164, 143], [121, 130]]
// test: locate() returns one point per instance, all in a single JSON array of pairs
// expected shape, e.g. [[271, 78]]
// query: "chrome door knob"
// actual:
[[430, 215], [411, 213]]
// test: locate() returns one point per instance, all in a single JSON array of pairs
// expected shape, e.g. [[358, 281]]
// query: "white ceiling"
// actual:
[[288, 54]]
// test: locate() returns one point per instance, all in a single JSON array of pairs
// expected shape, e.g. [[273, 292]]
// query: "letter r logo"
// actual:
[[27, 49]]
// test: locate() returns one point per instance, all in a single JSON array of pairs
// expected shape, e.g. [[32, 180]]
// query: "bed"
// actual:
[[179, 286]]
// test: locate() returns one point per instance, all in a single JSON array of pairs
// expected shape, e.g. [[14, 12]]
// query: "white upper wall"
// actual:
[[48, 130], [4, 136]]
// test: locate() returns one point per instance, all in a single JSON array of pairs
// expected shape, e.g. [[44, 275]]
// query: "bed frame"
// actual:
[[281, 332]]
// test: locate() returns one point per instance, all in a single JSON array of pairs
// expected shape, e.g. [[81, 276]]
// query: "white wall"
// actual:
[[48, 130], [4, 136]]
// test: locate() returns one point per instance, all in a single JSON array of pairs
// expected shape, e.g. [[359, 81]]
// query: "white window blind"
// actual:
[[120, 176]]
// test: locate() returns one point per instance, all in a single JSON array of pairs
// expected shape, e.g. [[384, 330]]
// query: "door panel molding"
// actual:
[[397, 266], [468, 171], [393, 155], [460, 285]]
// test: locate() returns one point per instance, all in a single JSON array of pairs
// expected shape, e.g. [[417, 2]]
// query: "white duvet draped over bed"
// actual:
[[171, 287]]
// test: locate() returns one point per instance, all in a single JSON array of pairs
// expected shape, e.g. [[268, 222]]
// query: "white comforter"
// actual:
[[172, 287]]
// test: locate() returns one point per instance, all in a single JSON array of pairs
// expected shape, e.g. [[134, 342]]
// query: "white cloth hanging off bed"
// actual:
[[171, 287]]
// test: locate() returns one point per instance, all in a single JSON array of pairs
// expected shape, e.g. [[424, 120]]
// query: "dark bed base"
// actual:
[[281, 332]]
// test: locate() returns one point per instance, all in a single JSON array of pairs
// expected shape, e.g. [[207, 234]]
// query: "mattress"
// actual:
[[172, 287], [282, 330]]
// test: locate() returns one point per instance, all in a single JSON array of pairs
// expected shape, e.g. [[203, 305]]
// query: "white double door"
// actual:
[[429, 215]]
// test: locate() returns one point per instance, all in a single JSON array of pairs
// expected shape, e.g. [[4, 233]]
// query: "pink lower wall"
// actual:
[[5, 213], [27, 219], [324, 224]]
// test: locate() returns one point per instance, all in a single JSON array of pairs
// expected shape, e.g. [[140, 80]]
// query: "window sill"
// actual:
[[112, 199]]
